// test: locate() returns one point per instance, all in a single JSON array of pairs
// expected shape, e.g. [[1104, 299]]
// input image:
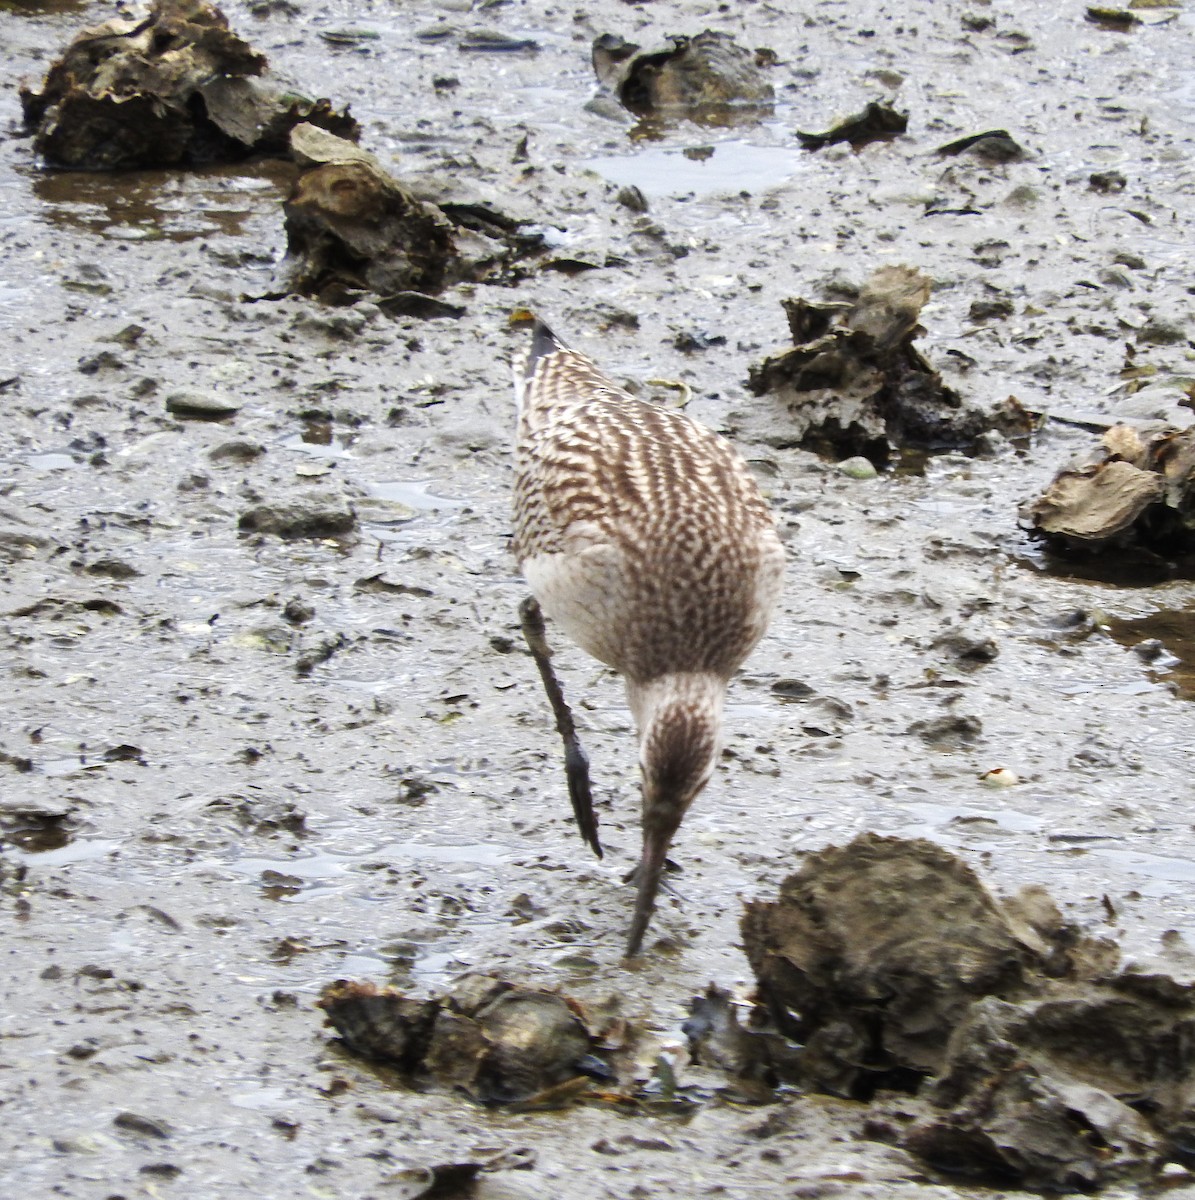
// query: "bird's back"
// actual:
[[640, 531]]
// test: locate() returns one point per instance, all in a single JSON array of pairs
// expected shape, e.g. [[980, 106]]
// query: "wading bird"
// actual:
[[644, 536]]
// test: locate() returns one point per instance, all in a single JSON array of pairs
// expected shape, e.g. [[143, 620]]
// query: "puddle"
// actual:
[[1154, 867], [413, 494], [393, 504], [152, 205], [52, 460], [81, 850], [729, 167], [38, 832], [1165, 641], [934, 820]]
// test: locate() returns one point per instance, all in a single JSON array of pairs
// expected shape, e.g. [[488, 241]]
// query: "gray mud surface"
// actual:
[[235, 766]]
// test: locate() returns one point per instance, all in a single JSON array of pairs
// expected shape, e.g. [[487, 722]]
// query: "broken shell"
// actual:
[[498, 1042], [379, 1023], [1095, 503], [1000, 777]]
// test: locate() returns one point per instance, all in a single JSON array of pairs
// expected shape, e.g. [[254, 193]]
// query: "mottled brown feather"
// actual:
[[693, 553], [644, 535]]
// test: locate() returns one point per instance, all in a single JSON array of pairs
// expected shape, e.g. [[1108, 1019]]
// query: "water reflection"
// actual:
[[731, 166], [1165, 641], [157, 204]]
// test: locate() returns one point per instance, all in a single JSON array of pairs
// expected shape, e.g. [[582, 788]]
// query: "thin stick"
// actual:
[[576, 761]]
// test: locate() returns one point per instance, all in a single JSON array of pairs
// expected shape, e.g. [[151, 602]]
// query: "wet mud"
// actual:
[[242, 762]]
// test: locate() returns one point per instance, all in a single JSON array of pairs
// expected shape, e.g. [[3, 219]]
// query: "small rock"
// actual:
[[201, 406], [972, 647], [858, 467], [1107, 181], [297, 612], [985, 310], [792, 689], [318, 517], [241, 452], [1161, 333], [952, 730], [631, 197], [136, 1123]]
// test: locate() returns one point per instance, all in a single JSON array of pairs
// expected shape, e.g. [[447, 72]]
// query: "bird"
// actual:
[[644, 536]]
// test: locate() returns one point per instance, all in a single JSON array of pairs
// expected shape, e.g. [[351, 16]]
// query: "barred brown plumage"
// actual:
[[644, 536]]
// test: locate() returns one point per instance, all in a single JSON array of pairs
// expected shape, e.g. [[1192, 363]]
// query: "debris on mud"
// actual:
[[456, 1180], [35, 827], [441, 1182], [353, 227], [992, 145], [876, 122], [1042, 1065], [709, 78], [1119, 19], [855, 384], [1140, 493], [718, 1039], [172, 87], [498, 1042]]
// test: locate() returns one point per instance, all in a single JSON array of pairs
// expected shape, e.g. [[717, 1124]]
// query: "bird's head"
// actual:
[[680, 728]]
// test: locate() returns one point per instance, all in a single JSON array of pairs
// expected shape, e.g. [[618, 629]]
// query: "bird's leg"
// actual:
[[666, 884], [576, 761]]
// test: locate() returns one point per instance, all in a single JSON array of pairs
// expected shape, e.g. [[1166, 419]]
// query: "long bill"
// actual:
[[647, 878]]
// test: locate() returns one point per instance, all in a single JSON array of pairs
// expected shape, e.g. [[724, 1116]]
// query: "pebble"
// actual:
[[858, 467], [201, 406]]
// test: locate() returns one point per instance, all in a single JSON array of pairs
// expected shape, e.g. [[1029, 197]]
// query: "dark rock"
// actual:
[[317, 517], [708, 78], [993, 145], [498, 1042], [873, 953], [1107, 181], [136, 1123], [985, 310], [949, 731], [175, 86], [1068, 1092], [855, 384], [201, 406], [969, 647], [352, 227], [1042, 1066]]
